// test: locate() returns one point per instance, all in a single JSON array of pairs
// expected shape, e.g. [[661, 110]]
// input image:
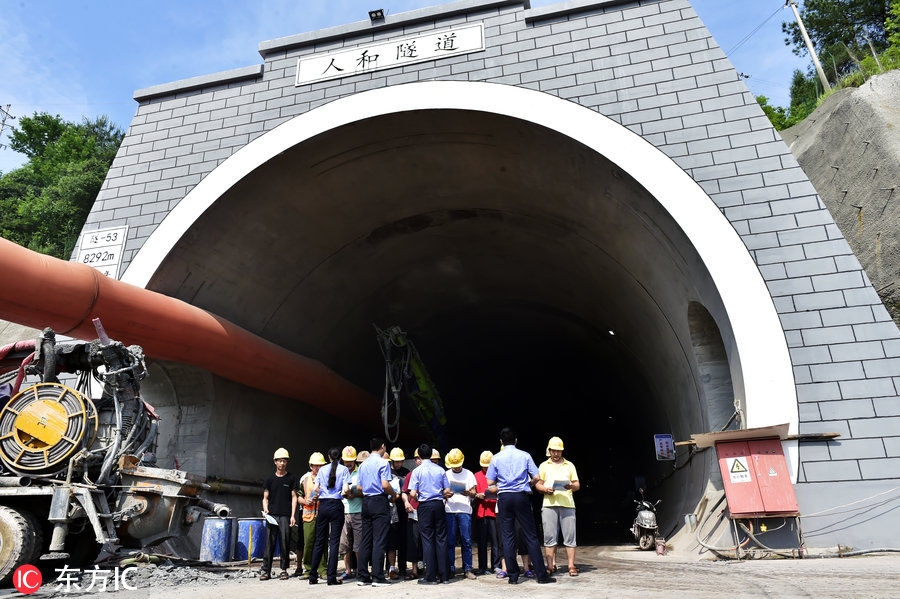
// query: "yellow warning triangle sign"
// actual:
[[738, 466]]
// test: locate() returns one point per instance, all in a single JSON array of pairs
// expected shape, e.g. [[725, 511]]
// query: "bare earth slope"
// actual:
[[850, 149]]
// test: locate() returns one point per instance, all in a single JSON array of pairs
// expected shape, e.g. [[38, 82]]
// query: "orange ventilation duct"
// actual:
[[41, 291]]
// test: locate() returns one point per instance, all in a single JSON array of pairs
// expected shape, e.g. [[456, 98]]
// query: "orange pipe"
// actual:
[[41, 291]]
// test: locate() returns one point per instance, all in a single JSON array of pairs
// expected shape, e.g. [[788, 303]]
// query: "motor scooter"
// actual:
[[645, 527]]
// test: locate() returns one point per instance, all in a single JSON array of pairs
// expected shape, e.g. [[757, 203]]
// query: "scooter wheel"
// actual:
[[646, 541]]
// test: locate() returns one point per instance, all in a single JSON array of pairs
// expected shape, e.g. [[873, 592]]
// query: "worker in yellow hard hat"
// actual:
[[436, 456], [484, 521], [396, 539], [352, 532], [279, 502], [308, 499], [558, 480], [459, 511]]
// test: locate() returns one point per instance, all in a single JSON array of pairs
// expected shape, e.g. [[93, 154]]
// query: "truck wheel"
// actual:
[[647, 541], [17, 541], [38, 537]]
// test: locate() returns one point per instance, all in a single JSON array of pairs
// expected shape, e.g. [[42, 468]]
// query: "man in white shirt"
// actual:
[[459, 511]]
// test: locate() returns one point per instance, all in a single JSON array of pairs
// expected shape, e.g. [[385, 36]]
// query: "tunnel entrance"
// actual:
[[545, 288]]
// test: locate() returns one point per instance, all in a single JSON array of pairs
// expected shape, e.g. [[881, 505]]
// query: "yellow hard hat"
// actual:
[[416, 453], [397, 455], [281, 452], [435, 454], [348, 454], [317, 459], [362, 456], [554, 443], [485, 458], [455, 458]]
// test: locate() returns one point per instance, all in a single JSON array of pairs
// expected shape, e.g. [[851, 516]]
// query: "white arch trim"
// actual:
[[769, 389]]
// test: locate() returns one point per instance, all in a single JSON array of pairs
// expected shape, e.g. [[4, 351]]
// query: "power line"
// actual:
[[6, 115], [747, 37]]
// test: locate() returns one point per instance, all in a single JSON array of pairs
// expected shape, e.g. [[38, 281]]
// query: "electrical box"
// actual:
[[756, 477]]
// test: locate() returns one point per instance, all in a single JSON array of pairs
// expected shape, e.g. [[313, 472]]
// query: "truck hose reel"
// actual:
[[42, 426]]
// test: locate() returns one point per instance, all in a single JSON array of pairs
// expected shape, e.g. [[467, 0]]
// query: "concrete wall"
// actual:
[[652, 67]]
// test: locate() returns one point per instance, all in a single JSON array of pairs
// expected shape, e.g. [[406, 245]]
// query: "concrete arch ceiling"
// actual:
[[490, 217]]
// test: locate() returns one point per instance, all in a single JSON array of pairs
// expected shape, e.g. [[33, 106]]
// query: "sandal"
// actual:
[[283, 576], [573, 571], [501, 574]]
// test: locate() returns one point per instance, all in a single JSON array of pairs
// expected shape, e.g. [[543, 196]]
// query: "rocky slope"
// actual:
[[850, 149]]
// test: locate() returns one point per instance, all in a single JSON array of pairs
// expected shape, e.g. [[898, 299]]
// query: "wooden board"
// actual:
[[710, 439]]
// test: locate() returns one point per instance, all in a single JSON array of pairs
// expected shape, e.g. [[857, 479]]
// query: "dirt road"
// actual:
[[617, 572]]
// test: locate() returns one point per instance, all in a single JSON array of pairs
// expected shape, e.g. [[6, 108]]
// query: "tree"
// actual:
[[892, 24], [44, 204], [844, 23]]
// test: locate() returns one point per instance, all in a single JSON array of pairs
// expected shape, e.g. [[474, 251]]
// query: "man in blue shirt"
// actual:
[[428, 485], [331, 482], [375, 480], [511, 474]]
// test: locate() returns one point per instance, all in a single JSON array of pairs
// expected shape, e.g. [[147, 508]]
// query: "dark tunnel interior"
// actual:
[[543, 287]]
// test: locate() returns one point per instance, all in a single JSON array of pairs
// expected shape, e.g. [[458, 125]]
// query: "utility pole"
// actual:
[[4, 112], [809, 46]]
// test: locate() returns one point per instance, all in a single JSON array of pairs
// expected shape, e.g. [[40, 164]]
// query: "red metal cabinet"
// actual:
[[756, 477]]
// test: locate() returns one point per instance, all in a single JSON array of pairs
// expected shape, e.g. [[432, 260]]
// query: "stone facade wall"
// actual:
[[651, 66]]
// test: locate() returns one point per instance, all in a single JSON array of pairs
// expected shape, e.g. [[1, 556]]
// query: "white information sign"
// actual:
[[665, 447], [432, 45], [738, 470], [103, 250]]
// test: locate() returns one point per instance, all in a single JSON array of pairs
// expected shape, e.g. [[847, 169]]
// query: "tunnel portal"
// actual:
[[544, 287]]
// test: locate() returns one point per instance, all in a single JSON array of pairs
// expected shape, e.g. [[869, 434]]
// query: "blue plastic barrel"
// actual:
[[216, 542], [243, 538]]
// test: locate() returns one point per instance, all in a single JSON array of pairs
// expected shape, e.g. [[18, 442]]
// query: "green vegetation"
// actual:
[[841, 31], [44, 204]]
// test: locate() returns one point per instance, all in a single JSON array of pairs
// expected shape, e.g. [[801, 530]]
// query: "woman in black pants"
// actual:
[[331, 482]]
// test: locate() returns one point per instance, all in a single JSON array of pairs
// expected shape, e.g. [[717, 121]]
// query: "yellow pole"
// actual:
[[250, 549]]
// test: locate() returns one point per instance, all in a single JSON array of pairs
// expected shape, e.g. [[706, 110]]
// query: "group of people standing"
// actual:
[[367, 506]]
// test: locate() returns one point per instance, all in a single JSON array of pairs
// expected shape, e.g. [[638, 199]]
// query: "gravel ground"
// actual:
[[615, 572]]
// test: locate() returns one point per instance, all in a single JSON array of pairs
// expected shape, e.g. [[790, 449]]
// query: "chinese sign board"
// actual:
[[103, 250], [432, 45], [665, 447]]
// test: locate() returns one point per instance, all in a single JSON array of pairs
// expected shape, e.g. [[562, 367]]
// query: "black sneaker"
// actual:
[[546, 580], [313, 580], [513, 580], [424, 581], [380, 582], [334, 581]]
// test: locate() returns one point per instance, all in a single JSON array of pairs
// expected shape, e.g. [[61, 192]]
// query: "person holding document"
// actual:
[[375, 480], [558, 479], [511, 474], [331, 483], [429, 486], [279, 503], [352, 532], [459, 511]]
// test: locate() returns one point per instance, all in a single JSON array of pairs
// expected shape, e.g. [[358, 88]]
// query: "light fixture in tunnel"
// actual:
[[611, 332], [376, 15]]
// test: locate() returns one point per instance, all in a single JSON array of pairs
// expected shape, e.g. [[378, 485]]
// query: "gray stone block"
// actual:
[[809, 355], [875, 330], [851, 315], [814, 392], [875, 469], [806, 235], [857, 351], [814, 451], [819, 301], [887, 406], [875, 427], [892, 446], [846, 409], [829, 335], [852, 449], [837, 281], [889, 367], [774, 223], [841, 371], [831, 471]]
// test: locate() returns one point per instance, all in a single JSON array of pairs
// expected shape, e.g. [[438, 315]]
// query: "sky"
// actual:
[[85, 58]]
